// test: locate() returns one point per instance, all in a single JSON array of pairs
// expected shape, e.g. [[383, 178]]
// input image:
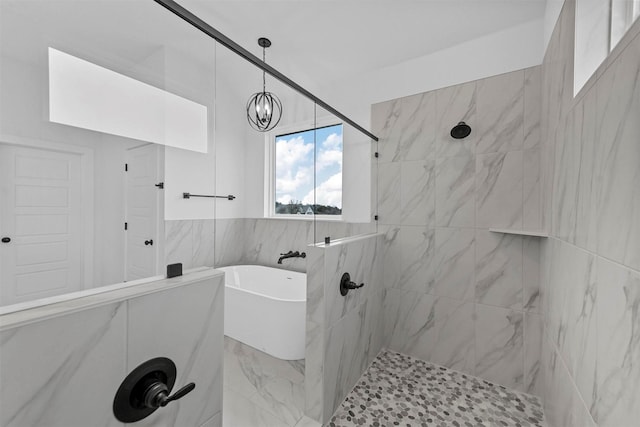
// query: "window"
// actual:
[[600, 25], [623, 13], [299, 188]]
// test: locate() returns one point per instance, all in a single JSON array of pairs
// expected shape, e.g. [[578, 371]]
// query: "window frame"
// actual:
[[270, 166]]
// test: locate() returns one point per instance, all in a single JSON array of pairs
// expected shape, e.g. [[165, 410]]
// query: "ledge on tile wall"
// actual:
[[520, 232]]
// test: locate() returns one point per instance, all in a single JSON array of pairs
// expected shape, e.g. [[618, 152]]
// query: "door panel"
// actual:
[[42, 214], [142, 212]]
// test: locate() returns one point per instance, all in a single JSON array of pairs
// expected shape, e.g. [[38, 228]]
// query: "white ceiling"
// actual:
[[329, 40], [315, 42]]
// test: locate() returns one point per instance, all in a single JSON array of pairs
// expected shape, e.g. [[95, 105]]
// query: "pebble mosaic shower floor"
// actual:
[[398, 390]]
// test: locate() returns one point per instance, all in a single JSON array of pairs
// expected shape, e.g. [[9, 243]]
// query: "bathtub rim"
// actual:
[[259, 294]]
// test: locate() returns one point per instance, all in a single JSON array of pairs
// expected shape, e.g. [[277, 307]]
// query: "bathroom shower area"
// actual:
[[193, 236]]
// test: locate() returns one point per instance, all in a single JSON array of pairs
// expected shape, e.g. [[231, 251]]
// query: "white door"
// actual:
[[142, 212], [40, 223]]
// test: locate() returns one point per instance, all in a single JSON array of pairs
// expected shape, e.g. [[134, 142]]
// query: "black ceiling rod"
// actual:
[[225, 41]]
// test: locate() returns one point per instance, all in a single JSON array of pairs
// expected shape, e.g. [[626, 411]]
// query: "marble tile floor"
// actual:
[[400, 390], [262, 391]]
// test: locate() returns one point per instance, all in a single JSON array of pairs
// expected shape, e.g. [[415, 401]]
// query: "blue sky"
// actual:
[[294, 167]]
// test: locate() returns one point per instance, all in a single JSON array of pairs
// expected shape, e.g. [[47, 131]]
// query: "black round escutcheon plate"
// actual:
[[128, 404]]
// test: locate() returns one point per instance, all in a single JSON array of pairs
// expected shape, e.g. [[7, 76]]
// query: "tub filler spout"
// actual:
[[291, 254]]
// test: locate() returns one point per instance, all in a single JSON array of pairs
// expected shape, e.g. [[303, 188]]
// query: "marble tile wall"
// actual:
[[261, 241], [457, 294], [344, 334], [590, 265], [65, 370]]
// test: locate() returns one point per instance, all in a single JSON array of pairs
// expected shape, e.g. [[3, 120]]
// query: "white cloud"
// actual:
[[327, 193], [287, 182], [330, 152], [292, 156], [333, 141], [329, 158], [285, 199]]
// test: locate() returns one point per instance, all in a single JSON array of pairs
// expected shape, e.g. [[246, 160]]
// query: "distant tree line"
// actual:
[[296, 207]]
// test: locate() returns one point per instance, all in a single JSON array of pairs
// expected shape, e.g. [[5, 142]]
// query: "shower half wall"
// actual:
[[62, 364]]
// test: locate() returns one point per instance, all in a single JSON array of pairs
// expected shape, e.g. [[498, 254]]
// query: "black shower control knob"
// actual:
[[157, 394], [146, 389], [6, 239], [180, 393]]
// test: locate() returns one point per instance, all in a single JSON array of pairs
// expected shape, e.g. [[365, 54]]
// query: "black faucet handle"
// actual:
[[180, 393]]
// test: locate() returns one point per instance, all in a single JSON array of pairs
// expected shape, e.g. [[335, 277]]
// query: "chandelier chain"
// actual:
[[264, 77]]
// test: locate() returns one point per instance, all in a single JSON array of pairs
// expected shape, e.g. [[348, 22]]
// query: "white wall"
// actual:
[[551, 15], [190, 171], [504, 51]]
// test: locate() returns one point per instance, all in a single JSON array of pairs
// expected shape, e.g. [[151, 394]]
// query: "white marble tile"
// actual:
[[391, 256], [454, 264], [405, 127], [566, 176], [455, 187], [531, 265], [533, 381], [240, 411], [60, 371], [179, 243], [314, 370], [357, 259], [375, 324], [432, 328], [572, 314], [417, 249], [499, 183], [242, 370], [499, 262], [389, 193], [215, 421], [192, 316], [500, 113], [559, 393], [455, 104], [585, 234], [307, 422], [229, 241], [315, 284], [203, 243], [499, 346], [281, 392], [618, 98], [266, 239], [531, 190], [618, 344], [532, 107], [346, 357], [417, 193], [563, 403]]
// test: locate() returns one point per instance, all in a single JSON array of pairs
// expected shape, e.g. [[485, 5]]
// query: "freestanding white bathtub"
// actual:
[[266, 308]]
